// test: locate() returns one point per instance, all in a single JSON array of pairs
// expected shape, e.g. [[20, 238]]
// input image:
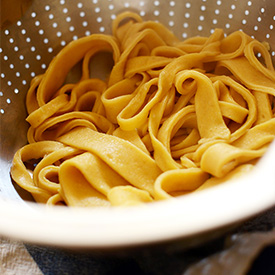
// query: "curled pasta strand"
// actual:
[[118, 96], [233, 45], [210, 122], [77, 191], [118, 71], [55, 199], [114, 152], [48, 129], [21, 174], [186, 180], [264, 108], [188, 144], [133, 137], [40, 115], [250, 101], [31, 101], [96, 173], [199, 44], [136, 112], [249, 53], [45, 179], [257, 136], [234, 174], [120, 18], [162, 155], [144, 63], [49, 163], [226, 157], [247, 74], [67, 58], [80, 89], [128, 196], [172, 124]]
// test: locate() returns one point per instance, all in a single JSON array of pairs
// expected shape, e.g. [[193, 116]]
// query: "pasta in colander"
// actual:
[[173, 117]]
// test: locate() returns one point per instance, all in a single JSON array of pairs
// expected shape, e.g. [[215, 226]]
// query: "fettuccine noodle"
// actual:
[[173, 117]]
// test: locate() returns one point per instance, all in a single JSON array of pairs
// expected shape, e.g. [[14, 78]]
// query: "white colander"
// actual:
[[27, 47]]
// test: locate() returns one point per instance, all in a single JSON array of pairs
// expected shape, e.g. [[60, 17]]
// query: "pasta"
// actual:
[[173, 117]]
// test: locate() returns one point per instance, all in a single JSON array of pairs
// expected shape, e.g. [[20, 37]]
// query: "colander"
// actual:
[[27, 47]]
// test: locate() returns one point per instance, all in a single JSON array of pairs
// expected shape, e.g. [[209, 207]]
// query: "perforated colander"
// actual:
[[28, 45]]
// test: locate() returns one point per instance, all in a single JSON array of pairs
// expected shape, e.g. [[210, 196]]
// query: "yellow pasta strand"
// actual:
[[128, 196], [96, 175], [234, 174], [78, 191], [179, 180], [140, 170], [210, 122], [248, 75], [21, 174], [67, 58], [221, 158]]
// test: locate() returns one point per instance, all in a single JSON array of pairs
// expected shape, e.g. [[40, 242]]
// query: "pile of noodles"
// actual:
[[173, 117]]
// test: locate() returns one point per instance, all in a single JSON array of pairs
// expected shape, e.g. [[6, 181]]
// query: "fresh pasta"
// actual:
[[173, 117]]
